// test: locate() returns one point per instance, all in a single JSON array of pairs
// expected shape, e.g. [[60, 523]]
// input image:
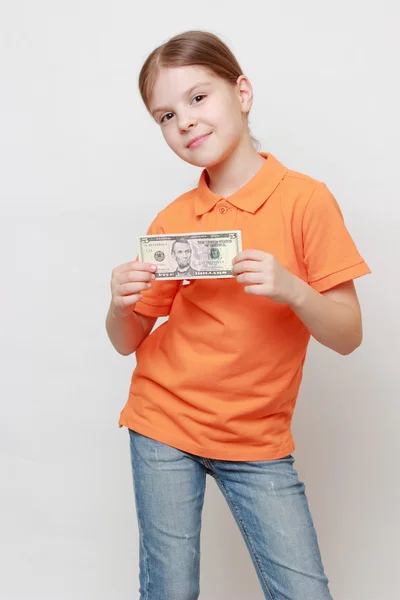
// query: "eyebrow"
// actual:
[[187, 93]]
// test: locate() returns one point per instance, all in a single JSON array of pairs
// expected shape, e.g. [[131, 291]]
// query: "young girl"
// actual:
[[215, 386]]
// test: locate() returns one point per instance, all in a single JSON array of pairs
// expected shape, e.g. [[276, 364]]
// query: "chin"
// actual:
[[205, 159]]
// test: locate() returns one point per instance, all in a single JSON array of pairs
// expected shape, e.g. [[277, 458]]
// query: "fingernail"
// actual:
[[149, 285], [153, 268]]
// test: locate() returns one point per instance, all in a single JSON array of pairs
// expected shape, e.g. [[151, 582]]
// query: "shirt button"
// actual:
[[223, 210]]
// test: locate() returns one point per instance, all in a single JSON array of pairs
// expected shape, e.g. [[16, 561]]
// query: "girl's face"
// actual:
[[202, 117]]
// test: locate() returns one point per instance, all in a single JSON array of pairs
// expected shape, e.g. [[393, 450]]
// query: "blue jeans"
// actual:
[[266, 499]]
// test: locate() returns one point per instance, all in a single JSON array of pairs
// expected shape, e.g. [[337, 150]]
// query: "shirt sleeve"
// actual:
[[330, 254], [157, 301]]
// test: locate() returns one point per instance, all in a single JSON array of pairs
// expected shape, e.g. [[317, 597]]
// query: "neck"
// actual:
[[235, 170]]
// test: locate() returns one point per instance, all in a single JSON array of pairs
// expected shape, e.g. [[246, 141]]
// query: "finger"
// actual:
[[246, 265], [137, 265], [249, 255], [132, 288], [250, 278], [134, 276], [255, 290], [125, 301]]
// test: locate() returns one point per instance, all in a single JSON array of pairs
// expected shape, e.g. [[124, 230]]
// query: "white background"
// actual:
[[83, 172]]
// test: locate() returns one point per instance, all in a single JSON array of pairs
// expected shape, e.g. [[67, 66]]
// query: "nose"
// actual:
[[186, 122]]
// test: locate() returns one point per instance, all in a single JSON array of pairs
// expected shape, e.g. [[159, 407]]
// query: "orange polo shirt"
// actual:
[[220, 377]]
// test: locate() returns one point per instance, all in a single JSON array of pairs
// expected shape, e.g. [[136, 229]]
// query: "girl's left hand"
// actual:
[[263, 275]]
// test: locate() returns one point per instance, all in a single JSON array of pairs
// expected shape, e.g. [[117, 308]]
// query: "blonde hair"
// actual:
[[191, 48]]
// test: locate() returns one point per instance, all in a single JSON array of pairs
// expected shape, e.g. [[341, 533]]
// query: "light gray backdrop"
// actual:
[[83, 172]]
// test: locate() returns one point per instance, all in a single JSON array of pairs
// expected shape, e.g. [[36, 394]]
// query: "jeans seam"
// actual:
[[243, 528], [145, 555], [145, 560]]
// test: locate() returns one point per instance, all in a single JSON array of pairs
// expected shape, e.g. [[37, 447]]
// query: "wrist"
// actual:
[[117, 313], [300, 295]]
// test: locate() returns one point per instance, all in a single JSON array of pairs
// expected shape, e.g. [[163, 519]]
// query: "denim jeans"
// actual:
[[267, 501]]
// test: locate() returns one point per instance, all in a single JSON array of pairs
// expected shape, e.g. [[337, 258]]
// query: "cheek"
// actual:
[[170, 136], [215, 114], [227, 119]]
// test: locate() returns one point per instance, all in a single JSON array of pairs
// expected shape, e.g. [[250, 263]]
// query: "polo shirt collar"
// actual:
[[248, 198]]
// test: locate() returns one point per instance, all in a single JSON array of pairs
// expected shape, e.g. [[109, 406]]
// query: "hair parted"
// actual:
[[191, 48]]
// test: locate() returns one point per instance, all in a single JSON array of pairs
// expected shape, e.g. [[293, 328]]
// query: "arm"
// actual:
[[333, 317], [127, 329], [127, 333]]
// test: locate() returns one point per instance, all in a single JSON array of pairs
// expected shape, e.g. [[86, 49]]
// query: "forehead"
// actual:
[[172, 82], [182, 245]]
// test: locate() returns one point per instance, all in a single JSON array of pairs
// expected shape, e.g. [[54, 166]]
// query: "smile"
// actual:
[[197, 141]]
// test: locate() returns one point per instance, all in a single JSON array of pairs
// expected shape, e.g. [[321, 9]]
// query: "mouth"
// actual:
[[197, 141]]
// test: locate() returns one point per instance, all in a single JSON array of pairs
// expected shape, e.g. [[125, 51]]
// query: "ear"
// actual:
[[245, 91]]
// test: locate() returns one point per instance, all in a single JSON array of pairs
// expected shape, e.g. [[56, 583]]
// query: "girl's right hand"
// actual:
[[127, 283]]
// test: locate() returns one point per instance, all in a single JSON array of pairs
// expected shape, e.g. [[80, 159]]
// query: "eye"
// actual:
[[198, 98], [167, 117]]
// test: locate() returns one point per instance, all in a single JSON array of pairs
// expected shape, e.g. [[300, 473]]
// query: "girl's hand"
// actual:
[[127, 283], [263, 275]]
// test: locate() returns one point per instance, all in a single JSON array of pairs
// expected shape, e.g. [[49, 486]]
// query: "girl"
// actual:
[[215, 386]]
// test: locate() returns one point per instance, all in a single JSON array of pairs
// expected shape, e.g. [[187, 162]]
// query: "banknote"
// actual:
[[191, 255]]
